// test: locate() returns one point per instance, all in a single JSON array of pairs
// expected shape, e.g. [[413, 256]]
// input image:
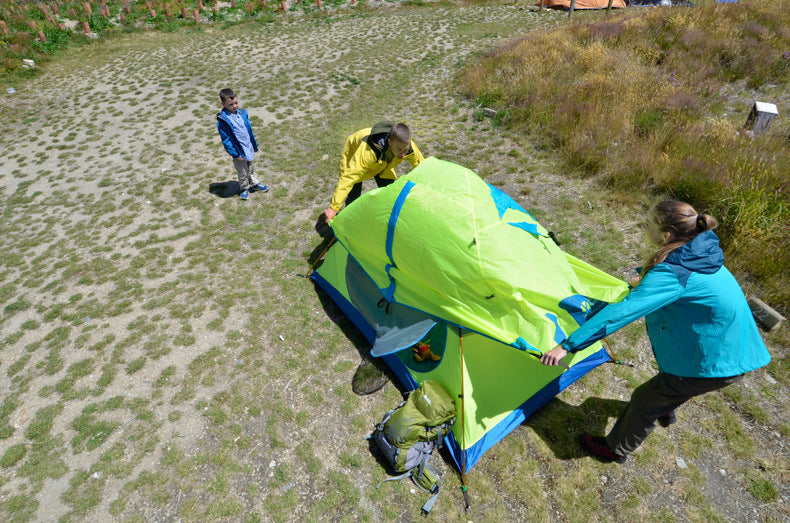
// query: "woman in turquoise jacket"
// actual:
[[700, 327]]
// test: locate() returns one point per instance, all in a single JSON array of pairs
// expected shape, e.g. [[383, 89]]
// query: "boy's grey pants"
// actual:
[[657, 397], [246, 173]]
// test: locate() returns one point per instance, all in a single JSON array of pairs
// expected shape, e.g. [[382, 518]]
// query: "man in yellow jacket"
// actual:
[[373, 152]]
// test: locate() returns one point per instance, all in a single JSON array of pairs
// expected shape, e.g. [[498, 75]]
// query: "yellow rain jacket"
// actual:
[[366, 155]]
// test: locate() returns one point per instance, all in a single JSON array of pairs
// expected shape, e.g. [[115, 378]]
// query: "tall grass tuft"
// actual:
[[655, 101]]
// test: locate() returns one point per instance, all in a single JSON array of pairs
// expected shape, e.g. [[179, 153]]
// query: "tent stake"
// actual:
[[612, 355]]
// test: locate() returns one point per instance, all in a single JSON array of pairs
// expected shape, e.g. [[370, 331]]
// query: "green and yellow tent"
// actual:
[[442, 258]]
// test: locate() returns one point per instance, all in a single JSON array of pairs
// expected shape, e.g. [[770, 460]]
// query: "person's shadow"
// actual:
[[327, 236], [227, 189], [562, 425]]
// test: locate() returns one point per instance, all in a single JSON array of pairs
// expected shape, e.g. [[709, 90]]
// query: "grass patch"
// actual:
[[13, 455], [762, 488]]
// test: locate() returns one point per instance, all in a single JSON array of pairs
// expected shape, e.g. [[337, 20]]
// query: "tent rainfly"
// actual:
[[441, 257]]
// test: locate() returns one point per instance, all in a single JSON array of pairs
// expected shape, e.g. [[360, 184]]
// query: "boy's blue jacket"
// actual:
[[228, 138], [697, 317]]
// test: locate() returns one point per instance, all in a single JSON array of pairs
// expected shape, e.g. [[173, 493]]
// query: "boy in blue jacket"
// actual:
[[700, 327], [235, 130]]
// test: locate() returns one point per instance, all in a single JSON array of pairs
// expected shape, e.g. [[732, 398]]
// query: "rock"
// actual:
[[767, 317], [761, 116]]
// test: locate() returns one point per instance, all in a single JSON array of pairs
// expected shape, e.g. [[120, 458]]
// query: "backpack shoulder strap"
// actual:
[[428, 506], [403, 476]]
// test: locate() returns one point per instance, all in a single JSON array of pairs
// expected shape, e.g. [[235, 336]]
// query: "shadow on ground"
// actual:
[[327, 236], [562, 425], [227, 189]]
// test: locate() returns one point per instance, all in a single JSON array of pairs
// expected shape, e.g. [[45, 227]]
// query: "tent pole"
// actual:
[[609, 7], [467, 505], [570, 12]]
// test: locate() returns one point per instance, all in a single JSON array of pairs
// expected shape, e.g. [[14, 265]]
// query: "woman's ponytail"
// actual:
[[683, 224]]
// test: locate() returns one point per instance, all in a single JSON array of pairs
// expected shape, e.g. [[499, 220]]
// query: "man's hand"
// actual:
[[554, 356], [329, 214]]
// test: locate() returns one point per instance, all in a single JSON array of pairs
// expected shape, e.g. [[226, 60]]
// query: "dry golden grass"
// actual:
[[654, 101]]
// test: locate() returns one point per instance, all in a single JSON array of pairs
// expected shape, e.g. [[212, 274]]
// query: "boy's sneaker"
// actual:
[[597, 446], [244, 194], [667, 419], [262, 188]]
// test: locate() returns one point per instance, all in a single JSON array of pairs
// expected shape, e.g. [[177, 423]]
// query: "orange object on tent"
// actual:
[[581, 4]]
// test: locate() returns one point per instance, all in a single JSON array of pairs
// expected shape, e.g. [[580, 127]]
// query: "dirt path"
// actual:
[[164, 361]]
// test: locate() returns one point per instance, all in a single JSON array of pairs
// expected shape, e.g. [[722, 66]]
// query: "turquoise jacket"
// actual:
[[696, 315]]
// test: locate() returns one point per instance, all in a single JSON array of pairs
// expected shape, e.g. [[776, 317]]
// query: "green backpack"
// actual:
[[408, 434]]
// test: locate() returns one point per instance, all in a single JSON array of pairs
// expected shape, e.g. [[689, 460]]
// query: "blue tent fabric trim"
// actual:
[[394, 215], [578, 306], [522, 344], [389, 292], [515, 418], [504, 202], [559, 334], [531, 228]]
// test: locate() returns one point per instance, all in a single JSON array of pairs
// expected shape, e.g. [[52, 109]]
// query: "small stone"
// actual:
[[722, 472], [272, 464], [681, 463], [489, 112]]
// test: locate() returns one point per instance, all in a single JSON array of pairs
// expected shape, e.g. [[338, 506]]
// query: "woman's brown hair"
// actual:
[[683, 224]]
